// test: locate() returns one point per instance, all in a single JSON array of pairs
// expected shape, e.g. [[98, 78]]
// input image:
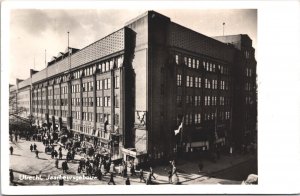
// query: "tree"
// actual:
[[14, 109]]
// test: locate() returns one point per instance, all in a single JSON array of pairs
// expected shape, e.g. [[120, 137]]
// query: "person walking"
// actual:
[[34, 146], [55, 154], [170, 176], [31, 147], [56, 163], [152, 173], [11, 176], [61, 182], [127, 182], [142, 176], [60, 155], [36, 153], [111, 180], [132, 170], [65, 166], [52, 154], [11, 149]]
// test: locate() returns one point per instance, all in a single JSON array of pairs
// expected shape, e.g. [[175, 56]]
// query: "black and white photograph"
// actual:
[[115, 96]]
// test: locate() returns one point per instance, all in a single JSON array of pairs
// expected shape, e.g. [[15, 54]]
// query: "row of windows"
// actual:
[[103, 67], [103, 118], [55, 102], [207, 116], [209, 84], [208, 100], [88, 86], [64, 90], [88, 116], [207, 65]]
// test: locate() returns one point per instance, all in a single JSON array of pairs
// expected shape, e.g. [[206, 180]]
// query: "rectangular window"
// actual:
[[190, 62], [105, 84], [117, 82], [108, 83], [107, 66], [177, 59], [178, 79], [116, 119], [116, 101], [188, 81], [191, 81], [193, 63], [179, 100], [91, 86]]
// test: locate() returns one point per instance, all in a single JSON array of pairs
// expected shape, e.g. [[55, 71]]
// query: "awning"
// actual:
[[132, 152], [199, 144]]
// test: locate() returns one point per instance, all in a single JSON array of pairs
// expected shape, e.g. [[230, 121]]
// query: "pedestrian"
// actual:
[[52, 154], [99, 174], [132, 170], [60, 149], [61, 182], [68, 156], [55, 154], [79, 169], [176, 179], [170, 176], [111, 180], [148, 181], [34, 146], [11, 176], [37, 154], [60, 155], [152, 173], [127, 182], [31, 147], [174, 170], [16, 137], [56, 163], [125, 171], [90, 169], [65, 166], [142, 176], [11, 149]]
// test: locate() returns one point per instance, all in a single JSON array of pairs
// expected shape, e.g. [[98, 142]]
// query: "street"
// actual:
[[232, 175], [29, 170]]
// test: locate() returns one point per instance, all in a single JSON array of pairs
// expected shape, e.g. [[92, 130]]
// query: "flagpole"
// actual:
[[181, 131]]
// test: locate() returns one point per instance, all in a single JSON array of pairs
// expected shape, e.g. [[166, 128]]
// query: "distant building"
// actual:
[[126, 93]]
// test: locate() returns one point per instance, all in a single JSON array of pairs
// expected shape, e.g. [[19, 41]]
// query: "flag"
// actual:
[[179, 128]]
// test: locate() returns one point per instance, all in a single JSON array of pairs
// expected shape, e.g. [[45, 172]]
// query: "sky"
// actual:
[[32, 31]]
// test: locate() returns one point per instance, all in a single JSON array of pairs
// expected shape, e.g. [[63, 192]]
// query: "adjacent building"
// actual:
[[126, 93]]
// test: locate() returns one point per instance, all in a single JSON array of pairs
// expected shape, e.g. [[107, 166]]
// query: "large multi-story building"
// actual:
[[126, 93]]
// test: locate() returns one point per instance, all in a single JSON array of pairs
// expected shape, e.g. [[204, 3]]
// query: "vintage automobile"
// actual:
[[251, 179]]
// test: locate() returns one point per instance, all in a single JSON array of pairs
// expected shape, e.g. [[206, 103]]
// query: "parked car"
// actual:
[[251, 179]]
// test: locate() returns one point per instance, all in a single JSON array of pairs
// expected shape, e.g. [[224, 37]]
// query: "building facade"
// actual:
[[126, 93]]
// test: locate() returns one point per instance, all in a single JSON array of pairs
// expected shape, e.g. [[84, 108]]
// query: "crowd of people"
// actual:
[[91, 163]]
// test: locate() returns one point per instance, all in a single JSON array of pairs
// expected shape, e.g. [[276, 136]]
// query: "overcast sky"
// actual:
[[32, 31]]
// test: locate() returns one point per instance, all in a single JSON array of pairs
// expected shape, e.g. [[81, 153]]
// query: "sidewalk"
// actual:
[[188, 171]]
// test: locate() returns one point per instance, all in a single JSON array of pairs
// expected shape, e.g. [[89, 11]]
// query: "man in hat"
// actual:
[[11, 149], [31, 147]]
